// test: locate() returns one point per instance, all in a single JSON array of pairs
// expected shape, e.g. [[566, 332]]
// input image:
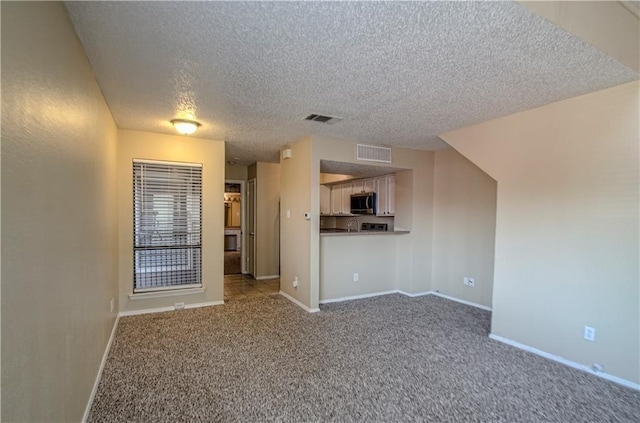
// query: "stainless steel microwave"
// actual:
[[364, 203]]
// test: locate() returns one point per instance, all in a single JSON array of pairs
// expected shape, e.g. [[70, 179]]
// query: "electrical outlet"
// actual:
[[589, 333], [295, 282], [356, 277], [597, 367], [469, 281], [178, 306], [111, 304]]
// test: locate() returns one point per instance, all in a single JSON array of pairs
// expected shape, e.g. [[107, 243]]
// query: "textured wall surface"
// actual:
[[464, 228], [567, 229], [295, 231], [268, 220], [59, 217]]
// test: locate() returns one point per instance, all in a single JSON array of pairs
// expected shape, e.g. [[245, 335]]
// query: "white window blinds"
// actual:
[[167, 225]]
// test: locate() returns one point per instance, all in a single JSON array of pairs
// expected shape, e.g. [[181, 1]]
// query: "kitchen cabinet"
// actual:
[[341, 199], [385, 190], [391, 194], [325, 200], [363, 185]]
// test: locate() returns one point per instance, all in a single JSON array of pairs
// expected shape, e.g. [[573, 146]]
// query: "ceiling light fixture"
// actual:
[[184, 126]]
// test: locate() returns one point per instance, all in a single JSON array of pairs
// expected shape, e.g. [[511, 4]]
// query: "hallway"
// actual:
[[239, 287]]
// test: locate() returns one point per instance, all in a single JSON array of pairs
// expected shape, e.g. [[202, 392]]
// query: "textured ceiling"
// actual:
[[398, 73]]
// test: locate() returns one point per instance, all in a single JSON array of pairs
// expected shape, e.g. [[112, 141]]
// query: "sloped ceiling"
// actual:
[[397, 73]]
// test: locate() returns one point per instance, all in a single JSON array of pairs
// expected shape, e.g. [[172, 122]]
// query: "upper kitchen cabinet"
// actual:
[[325, 200], [385, 190], [341, 199], [363, 186]]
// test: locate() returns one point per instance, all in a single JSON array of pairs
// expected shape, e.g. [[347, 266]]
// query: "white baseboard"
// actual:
[[419, 294], [566, 362], [357, 297], [207, 304], [170, 308], [100, 369], [260, 278], [408, 294], [298, 303], [458, 300]]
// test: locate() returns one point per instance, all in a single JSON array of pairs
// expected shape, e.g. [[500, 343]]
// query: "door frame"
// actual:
[[245, 268], [243, 204]]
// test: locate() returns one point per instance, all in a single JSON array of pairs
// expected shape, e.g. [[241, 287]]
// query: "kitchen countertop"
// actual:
[[343, 232]]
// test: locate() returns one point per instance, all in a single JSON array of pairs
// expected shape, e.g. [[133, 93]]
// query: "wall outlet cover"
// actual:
[[589, 333]]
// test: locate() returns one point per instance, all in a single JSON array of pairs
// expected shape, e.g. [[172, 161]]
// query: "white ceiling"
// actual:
[[398, 73]]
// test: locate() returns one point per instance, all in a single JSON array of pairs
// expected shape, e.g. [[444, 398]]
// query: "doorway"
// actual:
[[250, 255], [233, 227]]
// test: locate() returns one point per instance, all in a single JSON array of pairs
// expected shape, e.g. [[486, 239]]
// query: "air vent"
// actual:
[[323, 119], [371, 153]]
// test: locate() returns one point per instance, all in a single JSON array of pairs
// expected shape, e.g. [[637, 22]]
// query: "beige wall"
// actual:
[[300, 239], [607, 25], [59, 217], [567, 229], [464, 223], [267, 220], [252, 171], [373, 257], [235, 172], [295, 231], [151, 146]]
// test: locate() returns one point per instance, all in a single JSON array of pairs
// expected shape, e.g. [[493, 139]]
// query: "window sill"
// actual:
[[168, 293]]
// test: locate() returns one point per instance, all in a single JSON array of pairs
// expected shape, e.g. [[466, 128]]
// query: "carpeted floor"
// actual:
[[383, 359]]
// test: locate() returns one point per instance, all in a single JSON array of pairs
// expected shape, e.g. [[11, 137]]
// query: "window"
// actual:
[[167, 225]]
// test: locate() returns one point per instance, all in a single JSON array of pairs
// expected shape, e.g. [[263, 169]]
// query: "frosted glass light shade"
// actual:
[[185, 127]]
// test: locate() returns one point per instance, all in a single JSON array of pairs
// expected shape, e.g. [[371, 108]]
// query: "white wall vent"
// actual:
[[372, 153]]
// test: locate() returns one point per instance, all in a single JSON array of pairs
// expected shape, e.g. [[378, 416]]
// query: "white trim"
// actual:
[[170, 308], [146, 311], [419, 294], [165, 293], [207, 304], [480, 306], [412, 295], [566, 362], [243, 222], [169, 288], [259, 278], [167, 162], [298, 303], [357, 297], [100, 369]]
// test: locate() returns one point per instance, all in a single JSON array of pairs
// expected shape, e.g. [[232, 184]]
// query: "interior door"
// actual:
[[250, 256]]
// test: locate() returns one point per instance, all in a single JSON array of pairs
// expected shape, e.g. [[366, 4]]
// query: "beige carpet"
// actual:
[[383, 359]]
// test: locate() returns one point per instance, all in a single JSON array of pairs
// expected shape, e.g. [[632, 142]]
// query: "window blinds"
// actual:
[[167, 225]]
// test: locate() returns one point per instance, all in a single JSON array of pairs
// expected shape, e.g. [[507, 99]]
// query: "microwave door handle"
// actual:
[[367, 203]]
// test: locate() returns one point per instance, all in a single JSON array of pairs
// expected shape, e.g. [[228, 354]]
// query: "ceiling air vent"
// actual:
[[371, 153], [323, 119]]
